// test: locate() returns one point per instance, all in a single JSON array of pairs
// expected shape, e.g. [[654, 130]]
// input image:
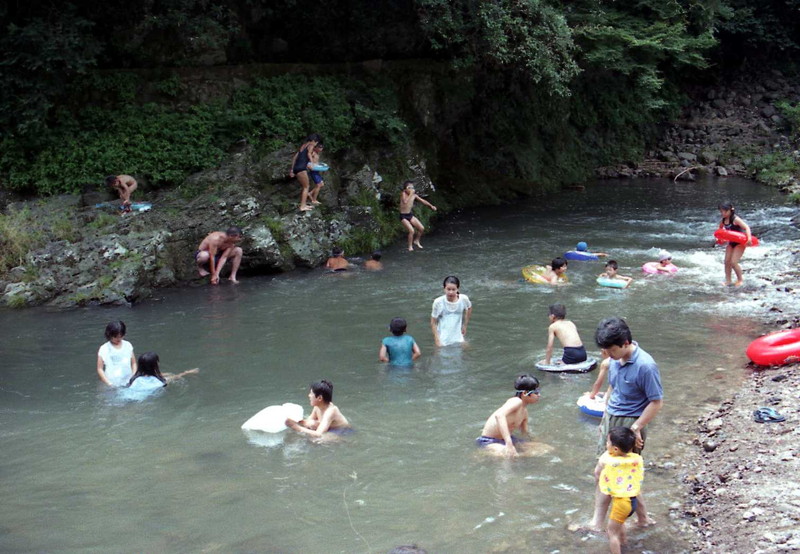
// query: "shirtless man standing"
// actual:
[[124, 185], [411, 223], [215, 250]]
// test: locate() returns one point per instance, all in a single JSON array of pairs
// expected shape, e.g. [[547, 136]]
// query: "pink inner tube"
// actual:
[[725, 235], [778, 348], [650, 267]]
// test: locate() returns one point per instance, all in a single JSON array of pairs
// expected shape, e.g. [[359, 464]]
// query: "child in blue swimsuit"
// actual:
[[399, 349]]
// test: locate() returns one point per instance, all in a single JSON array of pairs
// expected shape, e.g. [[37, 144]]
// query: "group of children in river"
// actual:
[[619, 471]]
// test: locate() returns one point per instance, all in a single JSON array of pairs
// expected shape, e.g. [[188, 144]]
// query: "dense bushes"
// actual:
[[162, 145]]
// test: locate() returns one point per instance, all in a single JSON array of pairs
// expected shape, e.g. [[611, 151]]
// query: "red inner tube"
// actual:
[[778, 348], [725, 235]]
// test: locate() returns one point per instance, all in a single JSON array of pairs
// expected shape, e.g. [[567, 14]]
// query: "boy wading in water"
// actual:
[[566, 332], [497, 437], [411, 223], [325, 417]]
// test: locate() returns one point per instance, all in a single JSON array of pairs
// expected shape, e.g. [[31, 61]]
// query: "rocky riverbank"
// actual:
[[741, 490], [724, 130], [94, 256]]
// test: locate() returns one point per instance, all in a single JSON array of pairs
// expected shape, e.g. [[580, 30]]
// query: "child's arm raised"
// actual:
[[170, 377], [421, 199]]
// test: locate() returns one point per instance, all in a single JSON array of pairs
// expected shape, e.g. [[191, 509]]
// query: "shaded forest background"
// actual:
[[526, 91]]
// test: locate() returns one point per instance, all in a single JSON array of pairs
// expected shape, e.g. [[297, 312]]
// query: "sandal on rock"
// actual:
[[767, 415]]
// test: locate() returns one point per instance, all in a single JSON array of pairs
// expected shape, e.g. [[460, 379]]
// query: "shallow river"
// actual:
[[83, 470]]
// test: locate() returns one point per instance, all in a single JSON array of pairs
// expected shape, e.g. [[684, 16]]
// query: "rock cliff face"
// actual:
[[121, 259]]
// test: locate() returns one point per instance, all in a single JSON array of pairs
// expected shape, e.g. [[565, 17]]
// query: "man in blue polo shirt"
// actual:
[[635, 395]]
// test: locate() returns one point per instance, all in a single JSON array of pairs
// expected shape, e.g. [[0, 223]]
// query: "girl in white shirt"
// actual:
[[115, 360], [450, 314]]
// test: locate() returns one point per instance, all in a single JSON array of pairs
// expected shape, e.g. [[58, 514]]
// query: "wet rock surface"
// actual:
[[113, 259]]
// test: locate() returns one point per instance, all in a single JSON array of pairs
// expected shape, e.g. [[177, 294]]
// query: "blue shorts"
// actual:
[[483, 441], [316, 177], [573, 355], [341, 431]]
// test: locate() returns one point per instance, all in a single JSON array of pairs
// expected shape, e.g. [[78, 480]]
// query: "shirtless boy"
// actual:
[[337, 261], [496, 436], [566, 332], [555, 271], [325, 417], [411, 223], [215, 250], [611, 273], [374, 264], [124, 185]]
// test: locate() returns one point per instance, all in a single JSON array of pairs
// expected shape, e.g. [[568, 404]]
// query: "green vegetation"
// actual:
[[163, 145], [537, 92], [776, 168]]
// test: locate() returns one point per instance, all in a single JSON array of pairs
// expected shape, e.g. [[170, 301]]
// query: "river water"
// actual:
[[83, 470]]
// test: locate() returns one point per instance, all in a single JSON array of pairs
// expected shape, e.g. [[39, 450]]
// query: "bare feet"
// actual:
[[739, 283], [316, 202], [202, 272], [586, 528], [417, 244], [306, 208], [233, 280], [649, 522], [410, 249]]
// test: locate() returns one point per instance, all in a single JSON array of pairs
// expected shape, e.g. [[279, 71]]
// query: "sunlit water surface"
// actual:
[[83, 470]]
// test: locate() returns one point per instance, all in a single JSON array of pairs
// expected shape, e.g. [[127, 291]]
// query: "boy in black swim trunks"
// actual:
[[411, 223], [496, 435], [567, 333]]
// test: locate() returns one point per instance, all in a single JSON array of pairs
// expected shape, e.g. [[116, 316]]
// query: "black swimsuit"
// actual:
[[732, 227], [301, 163]]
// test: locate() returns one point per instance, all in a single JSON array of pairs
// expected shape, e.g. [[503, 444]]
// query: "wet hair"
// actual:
[[314, 137], [623, 438], [377, 255], [558, 262], [405, 184], [612, 264], [115, 328], [233, 231], [323, 388], [728, 206], [408, 549], [526, 382], [110, 180], [559, 311], [612, 331], [337, 251], [398, 326], [451, 279], [147, 365]]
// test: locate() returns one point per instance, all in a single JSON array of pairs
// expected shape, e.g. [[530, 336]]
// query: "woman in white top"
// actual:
[[450, 314], [115, 360]]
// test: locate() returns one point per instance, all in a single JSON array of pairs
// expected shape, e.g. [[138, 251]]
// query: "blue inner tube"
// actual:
[[577, 255], [613, 283]]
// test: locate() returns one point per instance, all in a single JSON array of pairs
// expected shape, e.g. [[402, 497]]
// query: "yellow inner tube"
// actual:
[[533, 274]]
